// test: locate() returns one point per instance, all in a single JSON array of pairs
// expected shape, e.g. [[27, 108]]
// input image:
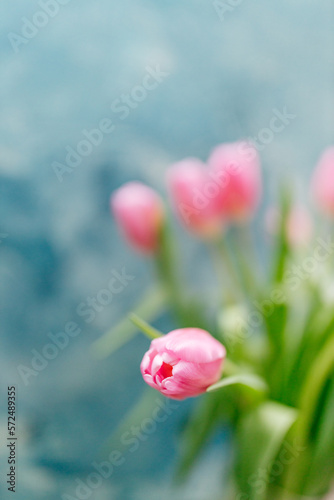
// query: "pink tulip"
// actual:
[[236, 168], [299, 228], [194, 196], [139, 213], [183, 363], [323, 182]]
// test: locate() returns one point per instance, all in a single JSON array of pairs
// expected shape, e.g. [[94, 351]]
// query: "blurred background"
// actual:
[[214, 72]]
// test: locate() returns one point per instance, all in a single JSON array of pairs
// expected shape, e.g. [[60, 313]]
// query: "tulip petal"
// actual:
[[193, 345], [183, 363], [139, 213], [237, 166]]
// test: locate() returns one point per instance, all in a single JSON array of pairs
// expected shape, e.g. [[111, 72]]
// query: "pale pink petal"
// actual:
[[149, 380], [323, 182], [237, 166], [147, 360], [194, 345], [200, 374], [139, 213], [169, 358], [177, 390], [300, 227], [194, 197], [183, 363], [156, 364]]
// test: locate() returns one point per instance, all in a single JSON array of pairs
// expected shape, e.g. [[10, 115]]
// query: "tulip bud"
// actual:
[[236, 167], [183, 363], [139, 213], [323, 182], [194, 196], [299, 225]]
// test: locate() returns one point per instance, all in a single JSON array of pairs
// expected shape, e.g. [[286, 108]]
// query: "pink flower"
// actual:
[[139, 213], [299, 229], [194, 196], [183, 363], [236, 168], [323, 182]]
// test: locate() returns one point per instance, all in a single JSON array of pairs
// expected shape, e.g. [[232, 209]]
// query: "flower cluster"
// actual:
[[207, 198]]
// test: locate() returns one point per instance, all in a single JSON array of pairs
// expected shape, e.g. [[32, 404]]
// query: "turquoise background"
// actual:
[[227, 76]]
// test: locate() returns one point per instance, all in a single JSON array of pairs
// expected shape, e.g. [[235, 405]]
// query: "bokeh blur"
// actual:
[[94, 94]]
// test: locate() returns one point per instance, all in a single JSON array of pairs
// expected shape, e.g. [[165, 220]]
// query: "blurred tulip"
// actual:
[[183, 363], [139, 213], [195, 197], [236, 169], [323, 182], [299, 228]]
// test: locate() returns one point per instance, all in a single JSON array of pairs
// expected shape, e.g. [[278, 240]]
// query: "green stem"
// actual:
[[283, 249], [227, 284], [246, 265], [247, 241], [230, 268], [145, 328], [167, 273]]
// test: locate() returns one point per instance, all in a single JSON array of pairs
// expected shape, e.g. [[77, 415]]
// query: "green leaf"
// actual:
[[298, 361], [283, 250], [316, 336], [276, 330], [249, 380], [321, 467], [152, 305], [260, 436], [320, 372]]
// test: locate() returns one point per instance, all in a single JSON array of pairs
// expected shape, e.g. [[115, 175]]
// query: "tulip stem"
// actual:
[[169, 276], [230, 268], [245, 264], [144, 327], [229, 293], [247, 241]]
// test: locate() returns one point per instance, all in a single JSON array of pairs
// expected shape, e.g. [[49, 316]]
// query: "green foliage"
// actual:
[[250, 381], [260, 435], [278, 385]]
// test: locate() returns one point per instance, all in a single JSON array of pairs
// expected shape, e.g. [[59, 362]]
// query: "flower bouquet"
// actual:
[[262, 360]]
